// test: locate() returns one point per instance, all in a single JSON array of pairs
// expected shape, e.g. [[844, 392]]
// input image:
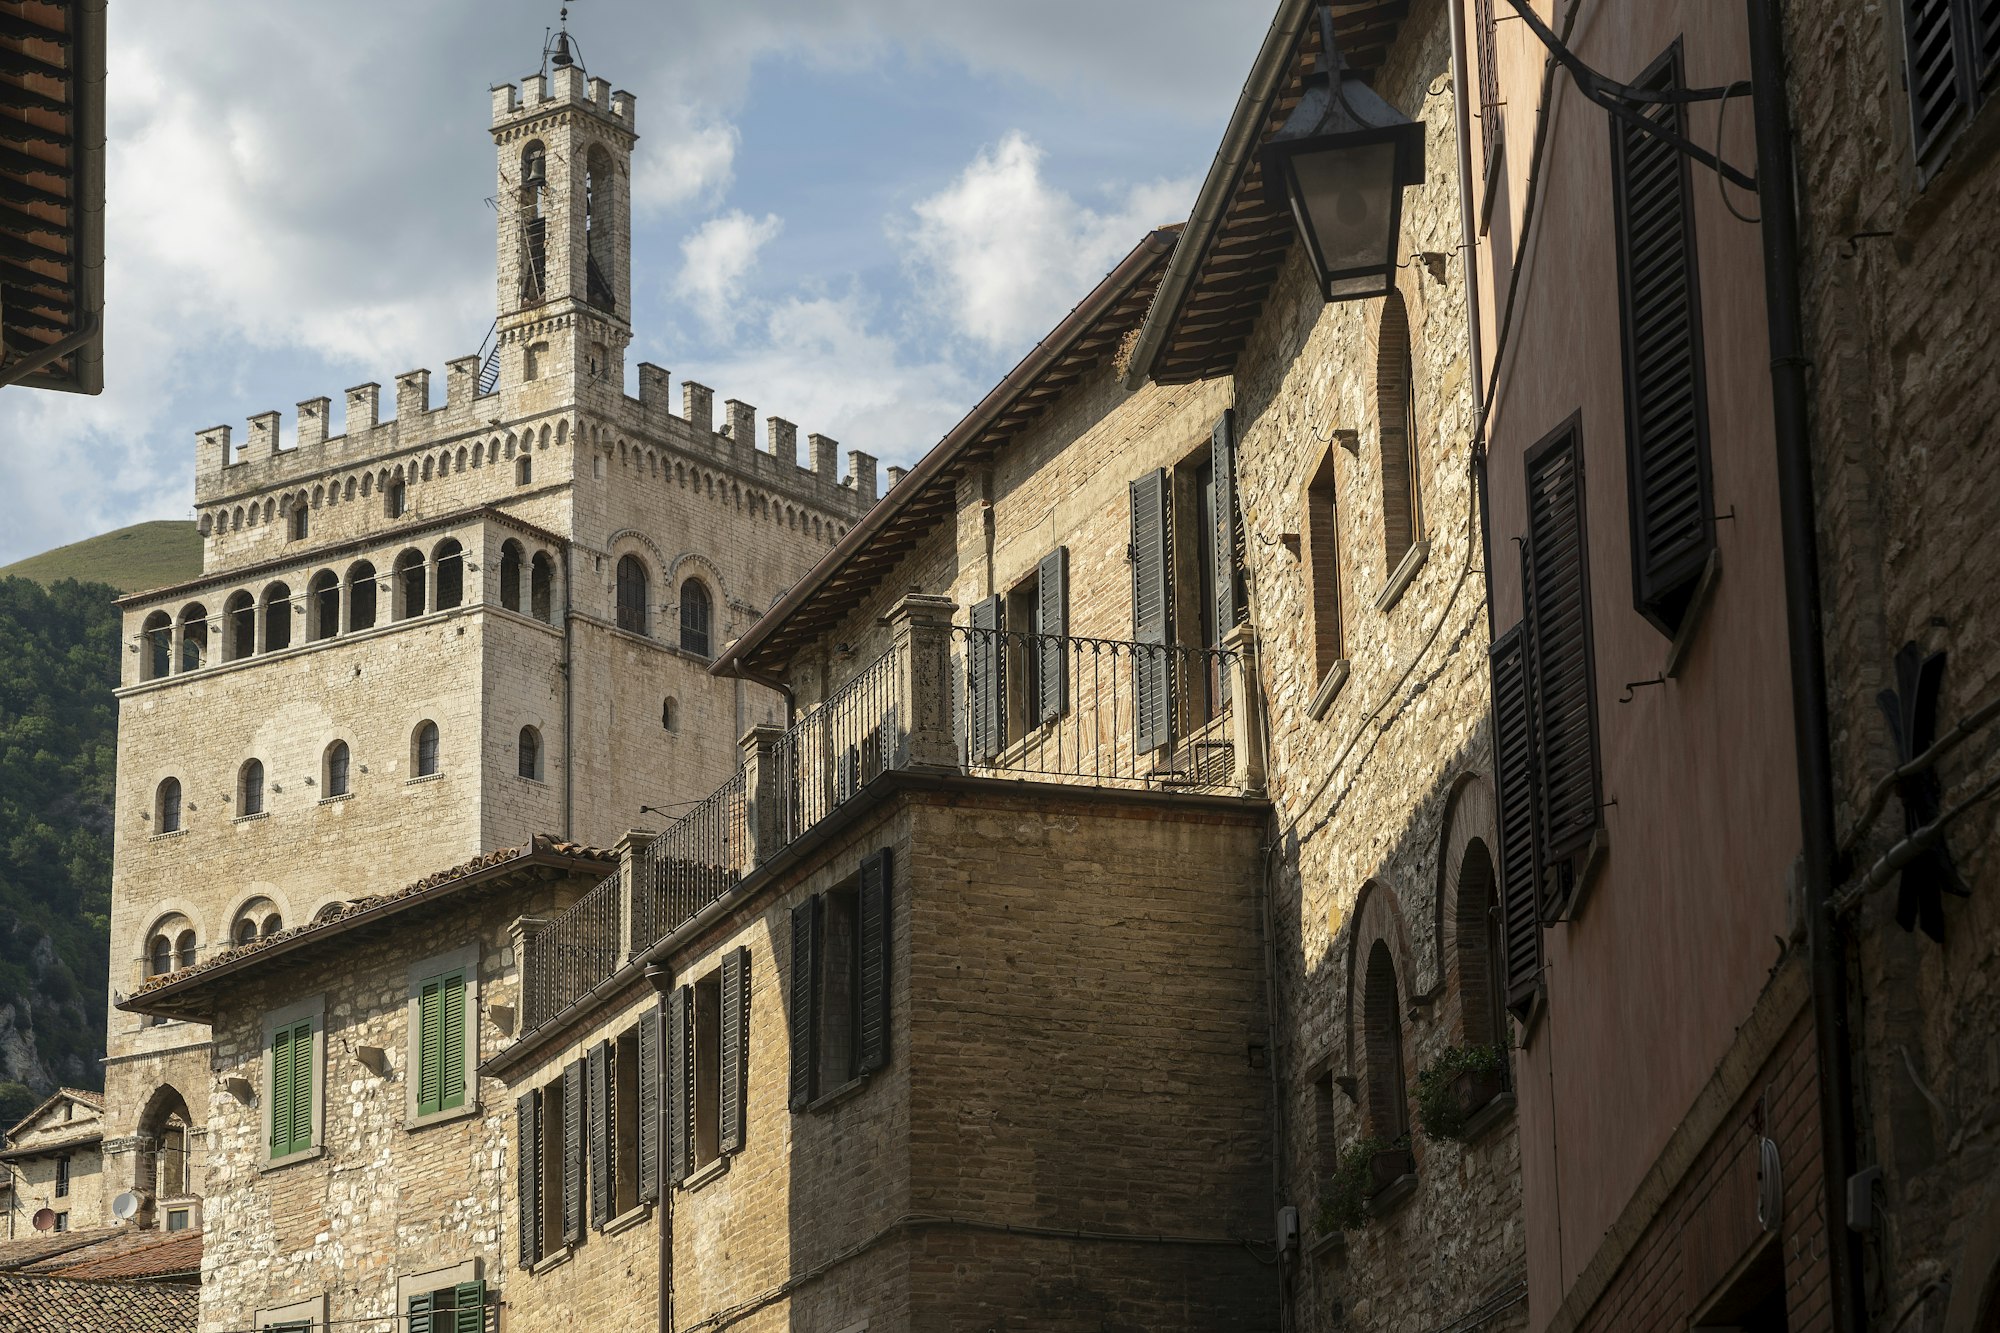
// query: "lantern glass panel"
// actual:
[[1348, 197]]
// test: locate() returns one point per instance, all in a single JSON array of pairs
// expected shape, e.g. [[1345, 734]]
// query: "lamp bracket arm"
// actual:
[[1622, 99]]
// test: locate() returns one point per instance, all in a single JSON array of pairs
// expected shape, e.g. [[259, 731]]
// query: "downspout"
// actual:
[[569, 698], [662, 979], [1780, 232], [1469, 249]]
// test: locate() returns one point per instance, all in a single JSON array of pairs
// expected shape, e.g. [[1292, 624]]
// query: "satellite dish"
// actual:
[[45, 1219], [125, 1207]]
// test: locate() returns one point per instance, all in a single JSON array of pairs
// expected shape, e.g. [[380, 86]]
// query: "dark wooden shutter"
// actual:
[[1557, 582], [1052, 623], [735, 1061], [1514, 784], [1668, 486], [1986, 42], [1938, 65], [1489, 88], [1152, 612], [420, 1320], [1224, 538], [451, 1042], [649, 1105], [573, 1121], [528, 1174], [804, 1015], [986, 679], [468, 1307], [680, 1084], [603, 1171], [871, 1034]]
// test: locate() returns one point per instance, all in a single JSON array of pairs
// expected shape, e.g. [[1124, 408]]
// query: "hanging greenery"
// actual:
[[1344, 1201], [1455, 1085]]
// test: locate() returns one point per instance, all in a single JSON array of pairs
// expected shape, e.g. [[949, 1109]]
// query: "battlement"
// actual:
[[265, 462], [537, 95]]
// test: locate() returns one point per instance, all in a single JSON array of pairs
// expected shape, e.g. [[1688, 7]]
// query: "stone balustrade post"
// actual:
[[631, 881], [927, 742], [763, 795], [1245, 710]]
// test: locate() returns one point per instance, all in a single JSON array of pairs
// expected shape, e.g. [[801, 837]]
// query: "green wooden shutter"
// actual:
[[649, 1105], [430, 1001], [528, 1173], [603, 1171], [420, 1314], [1669, 492], [986, 678], [451, 1046], [804, 1001], [573, 1121], [734, 1064], [281, 1092], [469, 1308], [871, 1000], [1514, 784], [680, 1084], [1152, 612], [1557, 583], [1052, 616]]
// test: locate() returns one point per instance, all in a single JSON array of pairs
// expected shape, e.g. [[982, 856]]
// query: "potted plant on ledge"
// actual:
[[1367, 1170], [1454, 1088]]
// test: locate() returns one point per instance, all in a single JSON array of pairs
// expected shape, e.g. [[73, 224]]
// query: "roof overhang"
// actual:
[[52, 194], [1239, 233], [51, 1149], [1086, 338]]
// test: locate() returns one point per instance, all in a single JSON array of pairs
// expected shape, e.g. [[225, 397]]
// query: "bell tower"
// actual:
[[564, 203]]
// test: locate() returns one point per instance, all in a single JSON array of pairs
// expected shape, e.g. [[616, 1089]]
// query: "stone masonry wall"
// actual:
[[1899, 274]]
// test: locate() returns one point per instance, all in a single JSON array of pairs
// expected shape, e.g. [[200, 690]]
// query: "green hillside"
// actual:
[[145, 555]]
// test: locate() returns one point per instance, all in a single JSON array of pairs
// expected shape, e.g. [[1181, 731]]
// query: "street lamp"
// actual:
[[1343, 159]]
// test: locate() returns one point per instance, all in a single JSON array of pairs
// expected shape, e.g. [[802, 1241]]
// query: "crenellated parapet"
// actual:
[[515, 106]]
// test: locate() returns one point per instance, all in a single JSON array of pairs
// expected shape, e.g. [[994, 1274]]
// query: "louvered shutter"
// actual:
[[1052, 623], [451, 1047], [1670, 493], [803, 1020], [528, 1174], [281, 1092], [734, 1063], [300, 1137], [1557, 581], [420, 1315], [1489, 85], [1937, 71], [468, 1308], [603, 1171], [871, 1035], [1514, 782], [573, 1122], [680, 1084], [1152, 613], [1224, 537], [986, 685], [1986, 42], [649, 1105], [429, 1058]]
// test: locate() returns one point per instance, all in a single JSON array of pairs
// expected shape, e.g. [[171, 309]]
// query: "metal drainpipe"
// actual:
[[661, 978], [1469, 251], [569, 698], [1803, 634]]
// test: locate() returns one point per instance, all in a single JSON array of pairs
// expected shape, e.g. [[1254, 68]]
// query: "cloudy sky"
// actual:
[[856, 214]]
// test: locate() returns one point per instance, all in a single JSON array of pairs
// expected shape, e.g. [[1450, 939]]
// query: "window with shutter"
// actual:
[[1938, 73], [1152, 612], [625, 1120], [649, 1105], [1556, 580], [440, 1070], [706, 1079], [1052, 624], [574, 1102], [1225, 541], [603, 1170], [735, 1048], [469, 1308], [680, 1090], [871, 1040], [803, 1002], [552, 1113], [1669, 491], [281, 1092], [1514, 783], [1322, 561], [420, 1320], [528, 1173], [1489, 89], [986, 679], [291, 1089]]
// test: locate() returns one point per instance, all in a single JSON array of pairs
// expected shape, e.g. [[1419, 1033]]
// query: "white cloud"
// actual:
[[691, 160], [715, 261], [1008, 253]]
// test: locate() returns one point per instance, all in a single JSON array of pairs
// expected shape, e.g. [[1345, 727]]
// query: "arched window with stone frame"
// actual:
[[239, 627], [250, 788], [633, 583], [529, 754], [541, 588], [361, 595], [336, 774], [409, 584], [448, 561], [167, 806], [323, 606], [510, 575], [1396, 423], [277, 617], [193, 636], [697, 618], [1387, 1102], [156, 646], [424, 750]]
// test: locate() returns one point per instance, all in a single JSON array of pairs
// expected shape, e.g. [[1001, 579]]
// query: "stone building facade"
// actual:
[[423, 638], [1895, 138], [52, 1160]]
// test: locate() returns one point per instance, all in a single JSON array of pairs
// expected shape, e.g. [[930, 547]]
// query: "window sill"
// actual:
[[465, 1112], [1406, 574], [251, 818], [1697, 611], [715, 1170], [336, 800], [313, 1153], [1333, 1245], [1393, 1196], [532, 782], [423, 778], [828, 1100], [170, 833], [1488, 1118], [548, 1261], [630, 1218], [1329, 690]]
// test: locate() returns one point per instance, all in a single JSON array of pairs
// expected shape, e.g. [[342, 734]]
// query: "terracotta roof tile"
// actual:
[[64, 1305], [138, 1254]]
